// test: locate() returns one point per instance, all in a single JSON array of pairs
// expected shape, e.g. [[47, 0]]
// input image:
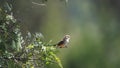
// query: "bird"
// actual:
[[63, 43]]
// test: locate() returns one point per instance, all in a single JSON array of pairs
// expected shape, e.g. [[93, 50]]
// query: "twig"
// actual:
[[39, 4]]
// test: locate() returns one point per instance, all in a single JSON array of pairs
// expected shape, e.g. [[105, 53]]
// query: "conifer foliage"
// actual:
[[14, 52]]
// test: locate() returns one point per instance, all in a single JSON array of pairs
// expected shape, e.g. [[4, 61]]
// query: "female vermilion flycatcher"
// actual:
[[63, 43]]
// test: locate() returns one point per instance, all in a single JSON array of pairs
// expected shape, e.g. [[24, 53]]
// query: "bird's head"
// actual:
[[66, 38]]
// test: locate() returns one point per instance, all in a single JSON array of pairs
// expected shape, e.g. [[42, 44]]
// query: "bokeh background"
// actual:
[[93, 25]]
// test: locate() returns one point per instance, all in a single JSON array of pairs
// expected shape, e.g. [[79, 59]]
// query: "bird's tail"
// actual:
[[55, 45]]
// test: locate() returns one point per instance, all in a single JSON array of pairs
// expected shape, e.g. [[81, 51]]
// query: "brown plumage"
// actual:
[[63, 43]]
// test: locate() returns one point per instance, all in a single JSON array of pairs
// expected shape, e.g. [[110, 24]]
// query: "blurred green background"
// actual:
[[93, 25]]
